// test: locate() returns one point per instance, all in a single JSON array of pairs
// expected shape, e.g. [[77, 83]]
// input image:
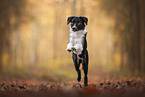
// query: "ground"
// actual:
[[105, 87]]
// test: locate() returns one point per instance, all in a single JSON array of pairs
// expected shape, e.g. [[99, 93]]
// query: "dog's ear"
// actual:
[[70, 19], [84, 19]]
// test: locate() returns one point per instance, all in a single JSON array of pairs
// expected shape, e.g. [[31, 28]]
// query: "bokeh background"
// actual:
[[34, 36]]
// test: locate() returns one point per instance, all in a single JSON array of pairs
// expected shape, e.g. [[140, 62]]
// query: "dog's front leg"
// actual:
[[69, 47]]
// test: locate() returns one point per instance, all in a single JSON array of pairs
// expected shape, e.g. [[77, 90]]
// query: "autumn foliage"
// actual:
[[107, 88]]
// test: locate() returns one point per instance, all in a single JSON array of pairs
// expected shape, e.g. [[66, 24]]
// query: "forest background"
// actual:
[[34, 35]]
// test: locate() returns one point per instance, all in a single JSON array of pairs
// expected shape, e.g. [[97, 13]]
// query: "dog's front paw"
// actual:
[[79, 51], [69, 46], [74, 49], [79, 48], [68, 50]]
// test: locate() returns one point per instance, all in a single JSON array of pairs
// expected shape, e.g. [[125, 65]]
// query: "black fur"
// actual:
[[82, 58]]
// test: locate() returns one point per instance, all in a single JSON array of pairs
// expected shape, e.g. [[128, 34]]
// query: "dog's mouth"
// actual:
[[77, 29]]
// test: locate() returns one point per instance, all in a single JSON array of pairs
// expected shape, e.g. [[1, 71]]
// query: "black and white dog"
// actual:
[[78, 45]]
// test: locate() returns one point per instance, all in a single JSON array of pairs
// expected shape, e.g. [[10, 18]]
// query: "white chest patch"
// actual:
[[76, 41]]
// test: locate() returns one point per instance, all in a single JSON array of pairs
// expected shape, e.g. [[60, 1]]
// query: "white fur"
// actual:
[[76, 41]]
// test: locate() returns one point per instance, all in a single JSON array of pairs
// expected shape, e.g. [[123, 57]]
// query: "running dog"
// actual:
[[78, 45]]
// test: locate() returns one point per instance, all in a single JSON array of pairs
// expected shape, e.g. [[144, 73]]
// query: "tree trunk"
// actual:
[[73, 7], [1, 41], [142, 35], [55, 29], [82, 8]]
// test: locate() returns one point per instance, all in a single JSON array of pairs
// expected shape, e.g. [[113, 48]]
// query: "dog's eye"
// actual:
[[79, 23], [72, 23]]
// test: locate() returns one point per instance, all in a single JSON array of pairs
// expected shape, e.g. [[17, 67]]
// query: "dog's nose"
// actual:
[[74, 27]]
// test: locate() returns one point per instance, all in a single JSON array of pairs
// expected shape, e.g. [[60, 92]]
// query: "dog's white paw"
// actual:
[[79, 48], [69, 47], [69, 50], [74, 49]]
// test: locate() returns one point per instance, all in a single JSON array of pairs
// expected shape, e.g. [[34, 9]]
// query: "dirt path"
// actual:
[[107, 88]]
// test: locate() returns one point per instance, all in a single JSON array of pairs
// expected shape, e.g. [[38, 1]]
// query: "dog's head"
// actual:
[[77, 23]]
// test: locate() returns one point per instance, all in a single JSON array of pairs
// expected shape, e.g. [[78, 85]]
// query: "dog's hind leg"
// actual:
[[85, 68], [77, 65]]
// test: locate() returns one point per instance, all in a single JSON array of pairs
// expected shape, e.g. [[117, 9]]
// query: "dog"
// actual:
[[78, 45]]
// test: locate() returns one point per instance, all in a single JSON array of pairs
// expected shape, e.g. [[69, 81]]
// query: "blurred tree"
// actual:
[[82, 11], [130, 27], [142, 35], [8, 10], [56, 29], [73, 7]]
